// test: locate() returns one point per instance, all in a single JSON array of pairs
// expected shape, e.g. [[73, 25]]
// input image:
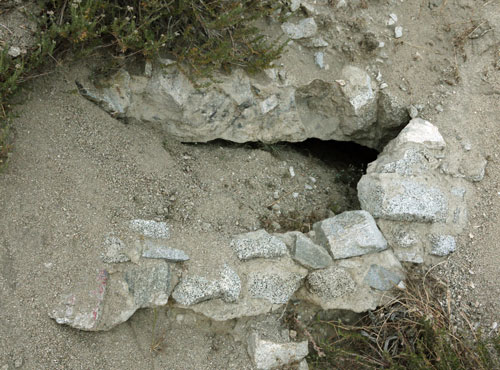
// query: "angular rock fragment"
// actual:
[[423, 132], [152, 250], [258, 244], [268, 355], [277, 287], [195, 289], [83, 310], [151, 228], [301, 30], [115, 251], [381, 278], [309, 254], [332, 282], [392, 197], [229, 284], [350, 234], [442, 245], [150, 285]]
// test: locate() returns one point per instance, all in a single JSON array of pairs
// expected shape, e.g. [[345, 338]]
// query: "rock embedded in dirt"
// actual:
[[301, 30], [350, 234], [153, 250], [83, 310], [392, 197], [150, 228], [343, 105], [150, 285], [268, 355], [115, 250], [442, 245], [309, 254], [258, 244], [195, 289], [381, 278], [275, 286], [333, 282], [343, 285], [423, 132]]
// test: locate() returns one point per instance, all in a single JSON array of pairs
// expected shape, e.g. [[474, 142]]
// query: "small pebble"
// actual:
[[313, 180], [383, 86], [292, 171], [439, 108], [319, 59], [413, 111], [398, 32], [276, 195], [308, 187], [295, 195], [494, 326]]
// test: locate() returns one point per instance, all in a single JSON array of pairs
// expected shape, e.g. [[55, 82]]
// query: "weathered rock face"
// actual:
[[270, 107], [416, 190]]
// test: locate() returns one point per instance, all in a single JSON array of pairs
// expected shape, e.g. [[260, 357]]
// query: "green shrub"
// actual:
[[202, 35]]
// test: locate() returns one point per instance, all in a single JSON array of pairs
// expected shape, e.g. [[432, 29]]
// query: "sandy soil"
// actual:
[[77, 174]]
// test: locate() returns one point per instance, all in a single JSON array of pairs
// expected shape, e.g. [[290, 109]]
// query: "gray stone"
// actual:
[[115, 250], [294, 5], [391, 197], [150, 285], [83, 310], [381, 278], [258, 244], [310, 254], [276, 287], [241, 108], [423, 132], [229, 284], [303, 365], [350, 234], [195, 289], [398, 32], [268, 355], [303, 29], [332, 282], [442, 245], [152, 250], [411, 162], [319, 59], [151, 228]]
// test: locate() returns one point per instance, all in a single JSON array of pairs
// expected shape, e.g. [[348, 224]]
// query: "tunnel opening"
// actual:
[[318, 179]]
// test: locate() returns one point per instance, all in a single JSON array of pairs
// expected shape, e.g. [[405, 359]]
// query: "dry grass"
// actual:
[[414, 331]]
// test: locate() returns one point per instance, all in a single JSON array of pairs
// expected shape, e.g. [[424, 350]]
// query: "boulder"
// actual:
[[270, 107]]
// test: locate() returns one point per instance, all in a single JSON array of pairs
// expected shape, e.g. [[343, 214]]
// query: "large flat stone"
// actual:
[[350, 234], [392, 197]]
